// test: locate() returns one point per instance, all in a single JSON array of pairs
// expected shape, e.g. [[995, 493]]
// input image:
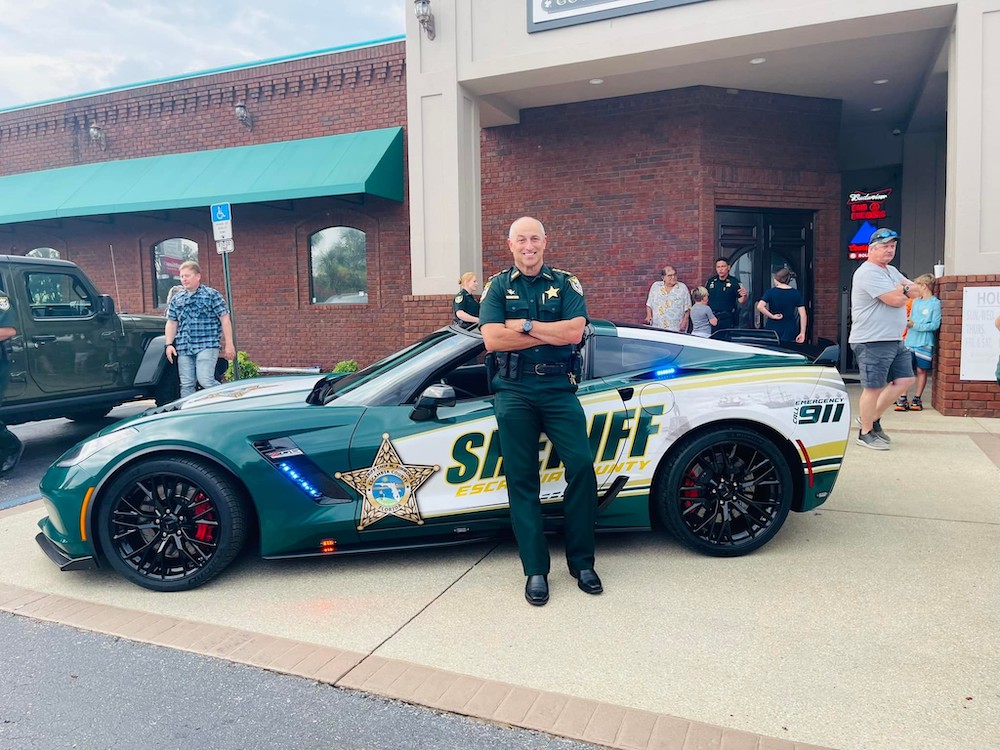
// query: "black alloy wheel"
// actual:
[[726, 492], [171, 524]]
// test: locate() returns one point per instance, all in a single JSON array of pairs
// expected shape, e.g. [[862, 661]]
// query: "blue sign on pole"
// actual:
[[221, 212]]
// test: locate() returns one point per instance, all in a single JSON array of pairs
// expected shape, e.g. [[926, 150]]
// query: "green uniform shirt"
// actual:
[[550, 296], [466, 302], [724, 296]]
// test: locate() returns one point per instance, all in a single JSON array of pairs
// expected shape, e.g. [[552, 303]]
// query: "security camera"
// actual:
[[897, 131]]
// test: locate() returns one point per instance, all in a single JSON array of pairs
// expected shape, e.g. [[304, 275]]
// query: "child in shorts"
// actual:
[[922, 324]]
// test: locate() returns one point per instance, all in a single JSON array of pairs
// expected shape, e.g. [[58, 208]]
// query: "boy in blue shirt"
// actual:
[[922, 326]]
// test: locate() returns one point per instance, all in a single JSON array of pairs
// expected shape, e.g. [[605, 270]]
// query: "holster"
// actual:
[[508, 365], [576, 364]]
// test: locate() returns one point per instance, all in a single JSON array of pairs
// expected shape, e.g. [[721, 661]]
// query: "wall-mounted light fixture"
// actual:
[[422, 10], [97, 136], [244, 116]]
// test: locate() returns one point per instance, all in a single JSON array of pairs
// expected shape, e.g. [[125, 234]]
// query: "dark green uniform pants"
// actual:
[[524, 409]]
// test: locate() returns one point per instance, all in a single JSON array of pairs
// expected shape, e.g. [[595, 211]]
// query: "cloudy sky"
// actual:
[[55, 48]]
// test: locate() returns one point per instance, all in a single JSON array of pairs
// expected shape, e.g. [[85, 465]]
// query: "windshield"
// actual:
[[395, 379]]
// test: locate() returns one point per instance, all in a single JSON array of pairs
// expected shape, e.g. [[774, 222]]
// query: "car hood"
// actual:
[[242, 395], [252, 393]]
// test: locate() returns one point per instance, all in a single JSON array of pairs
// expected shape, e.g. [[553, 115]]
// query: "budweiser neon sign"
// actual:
[[870, 205]]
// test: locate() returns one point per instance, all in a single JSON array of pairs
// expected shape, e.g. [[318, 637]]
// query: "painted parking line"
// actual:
[[5, 504]]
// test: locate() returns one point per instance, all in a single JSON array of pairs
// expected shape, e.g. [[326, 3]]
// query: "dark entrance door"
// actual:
[[757, 243]]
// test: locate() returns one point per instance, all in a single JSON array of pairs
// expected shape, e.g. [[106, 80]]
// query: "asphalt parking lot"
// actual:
[[868, 623]]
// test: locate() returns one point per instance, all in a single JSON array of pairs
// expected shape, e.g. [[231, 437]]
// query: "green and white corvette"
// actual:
[[714, 441]]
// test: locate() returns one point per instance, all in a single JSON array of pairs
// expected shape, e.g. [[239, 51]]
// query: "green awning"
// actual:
[[368, 162]]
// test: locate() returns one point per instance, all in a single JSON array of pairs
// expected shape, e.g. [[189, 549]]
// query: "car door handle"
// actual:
[[43, 339], [109, 334]]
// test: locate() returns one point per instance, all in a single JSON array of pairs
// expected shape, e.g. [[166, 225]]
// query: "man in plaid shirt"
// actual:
[[196, 320]]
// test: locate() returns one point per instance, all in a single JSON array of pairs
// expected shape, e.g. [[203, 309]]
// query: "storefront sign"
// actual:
[[551, 14], [980, 337], [857, 248], [868, 205]]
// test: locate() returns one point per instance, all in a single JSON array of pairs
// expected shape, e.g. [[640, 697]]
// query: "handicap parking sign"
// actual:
[[222, 221], [221, 212]]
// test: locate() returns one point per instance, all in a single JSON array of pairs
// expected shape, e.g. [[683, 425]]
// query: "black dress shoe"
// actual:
[[536, 590], [587, 580]]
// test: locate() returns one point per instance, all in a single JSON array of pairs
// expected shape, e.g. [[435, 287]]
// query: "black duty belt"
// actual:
[[554, 368]]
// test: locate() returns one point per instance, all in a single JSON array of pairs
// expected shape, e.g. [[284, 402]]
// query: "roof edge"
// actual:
[[210, 71]]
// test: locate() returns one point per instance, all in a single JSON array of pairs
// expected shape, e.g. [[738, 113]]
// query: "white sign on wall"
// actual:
[[551, 14], [980, 337]]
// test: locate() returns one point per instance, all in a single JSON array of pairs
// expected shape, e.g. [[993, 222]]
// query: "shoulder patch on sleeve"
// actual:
[[577, 286], [489, 283]]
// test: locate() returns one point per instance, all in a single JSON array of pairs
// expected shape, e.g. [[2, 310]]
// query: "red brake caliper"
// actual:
[[203, 532]]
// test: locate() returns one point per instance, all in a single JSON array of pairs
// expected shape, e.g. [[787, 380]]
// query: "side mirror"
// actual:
[[829, 356], [429, 401], [105, 305]]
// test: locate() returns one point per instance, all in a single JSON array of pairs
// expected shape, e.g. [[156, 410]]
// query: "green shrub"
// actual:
[[248, 368], [346, 365]]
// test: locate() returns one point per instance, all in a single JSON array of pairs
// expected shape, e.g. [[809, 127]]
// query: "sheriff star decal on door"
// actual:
[[388, 486]]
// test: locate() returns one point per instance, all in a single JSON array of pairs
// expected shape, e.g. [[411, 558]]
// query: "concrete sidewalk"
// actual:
[[871, 622]]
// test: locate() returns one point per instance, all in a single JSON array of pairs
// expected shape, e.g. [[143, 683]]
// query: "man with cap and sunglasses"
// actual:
[[878, 318]]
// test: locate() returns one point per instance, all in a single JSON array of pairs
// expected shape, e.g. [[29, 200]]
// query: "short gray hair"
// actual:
[[510, 232]]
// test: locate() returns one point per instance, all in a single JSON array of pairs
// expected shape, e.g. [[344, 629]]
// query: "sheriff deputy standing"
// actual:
[[532, 318], [725, 295], [466, 307]]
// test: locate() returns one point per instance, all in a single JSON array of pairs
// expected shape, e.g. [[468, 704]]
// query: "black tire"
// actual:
[[90, 415], [169, 387], [726, 492], [171, 524]]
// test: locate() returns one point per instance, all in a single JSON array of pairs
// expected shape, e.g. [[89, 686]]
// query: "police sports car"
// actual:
[[714, 441]]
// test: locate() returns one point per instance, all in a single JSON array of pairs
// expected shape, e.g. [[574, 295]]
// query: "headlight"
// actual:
[[88, 448]]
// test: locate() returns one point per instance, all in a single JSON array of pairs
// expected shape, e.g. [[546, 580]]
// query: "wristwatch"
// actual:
[[906, 288], [526, 327]]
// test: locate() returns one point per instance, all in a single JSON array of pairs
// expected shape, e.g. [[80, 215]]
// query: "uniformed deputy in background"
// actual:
[[725, 295], [10, 446], [465, 306], [532, 317]]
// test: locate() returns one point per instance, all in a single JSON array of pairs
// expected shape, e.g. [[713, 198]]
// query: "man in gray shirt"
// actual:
[[878, 318]]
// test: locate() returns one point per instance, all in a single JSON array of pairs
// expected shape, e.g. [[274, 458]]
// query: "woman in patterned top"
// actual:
[[669, 303]]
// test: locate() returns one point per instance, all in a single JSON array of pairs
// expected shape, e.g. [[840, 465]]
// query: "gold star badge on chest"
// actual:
[[388, 486], [550, 293]]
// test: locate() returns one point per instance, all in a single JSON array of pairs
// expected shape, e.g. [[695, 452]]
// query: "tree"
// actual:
[[339, 265]]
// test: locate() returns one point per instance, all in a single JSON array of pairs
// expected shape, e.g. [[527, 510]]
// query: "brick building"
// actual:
[[126, 247], [639, 138]]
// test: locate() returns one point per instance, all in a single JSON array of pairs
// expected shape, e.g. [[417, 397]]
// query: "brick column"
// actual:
[[424, 314], [951, 396]]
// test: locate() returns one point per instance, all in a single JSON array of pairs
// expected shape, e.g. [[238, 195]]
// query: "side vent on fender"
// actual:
[[289, 460]]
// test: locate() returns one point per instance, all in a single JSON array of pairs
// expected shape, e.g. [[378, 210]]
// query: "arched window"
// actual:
[[338, 267], [167, 258], [43, 252]]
